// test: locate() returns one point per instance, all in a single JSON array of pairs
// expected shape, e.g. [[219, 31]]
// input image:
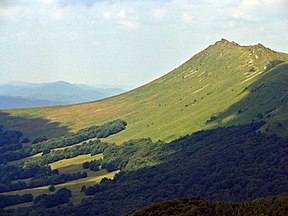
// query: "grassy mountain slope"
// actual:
[[222, 85]]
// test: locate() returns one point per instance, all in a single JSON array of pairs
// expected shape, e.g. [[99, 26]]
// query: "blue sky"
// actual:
[[126, 42]]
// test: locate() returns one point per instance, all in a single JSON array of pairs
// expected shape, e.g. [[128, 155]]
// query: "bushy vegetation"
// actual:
[[9, 173], [43, 180], [93, 165], [11, 147], [8, 137], [235, 163], [198, 206], [9, 143], [102, 131], [13, 155], [37, 169], [232, 164], [39, 139], [64, 141], [10, 200], [62, 196], [91, 147]]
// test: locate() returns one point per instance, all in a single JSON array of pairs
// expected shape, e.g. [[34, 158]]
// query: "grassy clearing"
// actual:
[[74, 186], [74, 164], [219, 81]]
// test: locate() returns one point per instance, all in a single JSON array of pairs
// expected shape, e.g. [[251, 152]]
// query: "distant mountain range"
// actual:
[[24, 95]]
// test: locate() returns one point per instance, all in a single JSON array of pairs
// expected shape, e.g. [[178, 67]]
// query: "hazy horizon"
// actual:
[[125, 43], [95, 85]]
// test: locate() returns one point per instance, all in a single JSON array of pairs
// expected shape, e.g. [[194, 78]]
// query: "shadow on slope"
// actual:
[[32, 127], [265, 99]]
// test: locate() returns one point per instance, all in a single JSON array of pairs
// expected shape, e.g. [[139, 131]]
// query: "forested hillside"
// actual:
[[197, 206], [29, 164], [235, 163]]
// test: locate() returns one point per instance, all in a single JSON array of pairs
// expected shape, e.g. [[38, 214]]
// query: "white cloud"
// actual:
[[96, 43], [121, 14], [107, 15], [47, 2], [248, 10], [129, 24], [159, 13], [23, 35], [187, 18], [259, 11], [249, 4], [58, 15], [8, 11], [71, 35]]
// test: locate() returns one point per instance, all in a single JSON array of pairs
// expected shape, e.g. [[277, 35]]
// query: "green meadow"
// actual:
[[75, 163]]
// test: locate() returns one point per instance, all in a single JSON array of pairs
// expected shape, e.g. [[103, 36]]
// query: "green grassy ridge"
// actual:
[[216, 82], [198, 206]]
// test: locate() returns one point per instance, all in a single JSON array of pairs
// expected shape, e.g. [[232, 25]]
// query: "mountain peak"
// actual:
[[261, 46], [225, 42]]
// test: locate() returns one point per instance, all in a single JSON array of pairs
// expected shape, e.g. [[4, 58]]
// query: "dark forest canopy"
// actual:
[[10, 200], [235, 163], [9, 137], [198, 206]]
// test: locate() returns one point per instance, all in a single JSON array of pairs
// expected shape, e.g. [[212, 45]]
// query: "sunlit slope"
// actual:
[[224, 84]]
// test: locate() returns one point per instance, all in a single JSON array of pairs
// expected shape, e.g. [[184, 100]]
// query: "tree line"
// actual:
[[44, 180], [11, 150], [10, 200]]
